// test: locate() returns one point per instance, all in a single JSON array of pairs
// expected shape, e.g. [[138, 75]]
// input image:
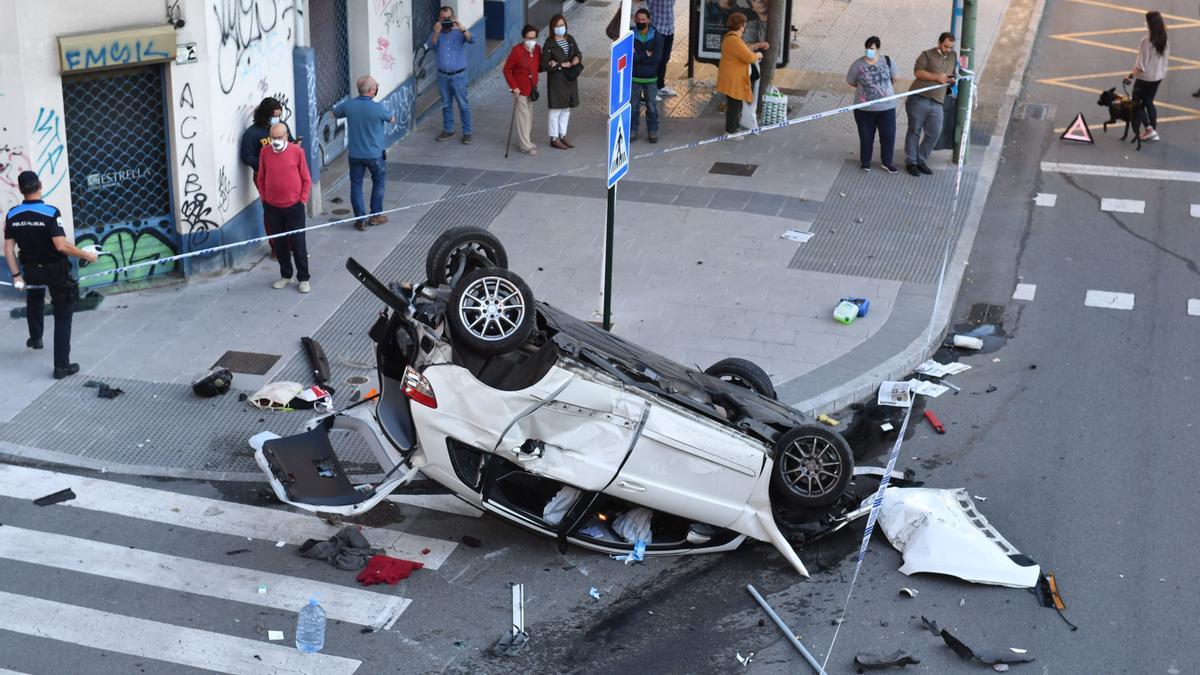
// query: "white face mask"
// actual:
[[274, 120], [560, 30], [530, 44], [278, 144]]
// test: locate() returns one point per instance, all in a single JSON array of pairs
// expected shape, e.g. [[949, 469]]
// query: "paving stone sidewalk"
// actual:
[[702, 270]]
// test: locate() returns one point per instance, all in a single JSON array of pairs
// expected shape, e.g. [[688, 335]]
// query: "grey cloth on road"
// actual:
[[924, 115], [346, 550]]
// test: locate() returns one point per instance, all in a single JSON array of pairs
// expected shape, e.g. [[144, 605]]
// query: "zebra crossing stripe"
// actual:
[[209, 515], [239, 584], [160, 641]]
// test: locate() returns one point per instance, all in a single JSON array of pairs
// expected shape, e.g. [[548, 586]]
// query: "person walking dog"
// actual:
[[1148, 72]]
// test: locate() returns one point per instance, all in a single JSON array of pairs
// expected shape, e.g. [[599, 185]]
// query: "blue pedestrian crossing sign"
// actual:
[[618, 145], [620, 73]]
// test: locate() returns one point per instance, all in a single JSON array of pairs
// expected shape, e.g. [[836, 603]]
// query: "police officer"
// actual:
[[35, 228]]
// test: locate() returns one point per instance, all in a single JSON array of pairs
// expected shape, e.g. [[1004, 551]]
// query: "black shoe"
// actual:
[[71, 369], [925, 170], [912, 169], [1196, 93], [466, 139], [444, 136], [652, 138], [865, 168], [890, 169], [33, 344]]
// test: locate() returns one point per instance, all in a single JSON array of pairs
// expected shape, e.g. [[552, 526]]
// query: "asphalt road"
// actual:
[[1085, 451]]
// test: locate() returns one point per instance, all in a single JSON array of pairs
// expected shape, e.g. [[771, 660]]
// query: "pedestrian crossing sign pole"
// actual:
[[620, 89]]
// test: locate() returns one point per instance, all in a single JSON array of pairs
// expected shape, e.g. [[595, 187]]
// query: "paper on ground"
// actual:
[[934, 369], [895, 394], [797, 235], [926, 388], [274, 635]]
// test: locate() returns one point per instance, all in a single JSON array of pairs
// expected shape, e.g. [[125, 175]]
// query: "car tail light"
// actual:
[[417, 388]]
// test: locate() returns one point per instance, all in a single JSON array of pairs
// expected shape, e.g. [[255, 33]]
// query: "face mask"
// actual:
[[870, 53], [278, 144], [274, 120], [530, 44], [643, 26], [560, 30]]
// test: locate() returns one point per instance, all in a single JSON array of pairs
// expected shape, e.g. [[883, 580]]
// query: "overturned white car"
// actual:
[[557, 426]]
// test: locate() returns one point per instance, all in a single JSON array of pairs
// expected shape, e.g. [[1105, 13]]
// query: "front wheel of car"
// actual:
[[743, 373], [460, 250], [491, 311], [812, 467]]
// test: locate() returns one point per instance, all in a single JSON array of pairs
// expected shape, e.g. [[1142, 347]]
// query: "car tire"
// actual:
[[802, 456], [446, 262], [499, 299], [743, 373]]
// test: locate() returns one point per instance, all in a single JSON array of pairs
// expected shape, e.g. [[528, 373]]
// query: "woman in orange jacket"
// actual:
[[733, 74]]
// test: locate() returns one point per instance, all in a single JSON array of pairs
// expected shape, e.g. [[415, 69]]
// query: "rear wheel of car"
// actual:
[[743, 373], [491, 311], [460, 250], [812, 466]]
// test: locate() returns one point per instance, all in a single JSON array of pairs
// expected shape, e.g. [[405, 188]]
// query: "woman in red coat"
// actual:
[[521, 73]]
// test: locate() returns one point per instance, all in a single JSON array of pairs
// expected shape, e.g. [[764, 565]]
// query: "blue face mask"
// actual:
[[560, 30], [871, 53]]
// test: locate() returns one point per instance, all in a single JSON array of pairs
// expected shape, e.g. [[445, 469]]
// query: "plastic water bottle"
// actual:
[[310, 628], [845, 311]]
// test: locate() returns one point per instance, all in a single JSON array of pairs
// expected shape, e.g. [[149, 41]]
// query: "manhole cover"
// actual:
[[733, 169], [340, 212], [1036, 111], [251, 363]]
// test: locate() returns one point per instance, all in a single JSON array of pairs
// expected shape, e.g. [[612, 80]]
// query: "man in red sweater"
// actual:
[[283, 183]]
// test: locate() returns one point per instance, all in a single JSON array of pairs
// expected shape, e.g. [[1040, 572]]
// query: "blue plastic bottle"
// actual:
[[310, 628]]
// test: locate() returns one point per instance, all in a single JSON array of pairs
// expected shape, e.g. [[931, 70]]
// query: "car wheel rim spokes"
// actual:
[[459, 261], [492, 308], [811, 466]]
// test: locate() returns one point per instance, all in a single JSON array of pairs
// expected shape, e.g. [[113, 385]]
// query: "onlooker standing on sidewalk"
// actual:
[[449, 37], [561, 61], [284, 183], [367, 146], [662, 15], [872, 78], [934, 66], [755, 38], [647, 54], [268, 112], [36, 228], [733, 72], [521, 72], [1148, 72]]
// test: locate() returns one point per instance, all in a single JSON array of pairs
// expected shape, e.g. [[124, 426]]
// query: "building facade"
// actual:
[[131, 110]]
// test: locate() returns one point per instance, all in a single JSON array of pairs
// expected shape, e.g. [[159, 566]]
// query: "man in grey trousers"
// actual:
[[934, 66]]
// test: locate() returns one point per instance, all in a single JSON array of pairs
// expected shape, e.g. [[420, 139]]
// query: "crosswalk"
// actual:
[[228, 647]]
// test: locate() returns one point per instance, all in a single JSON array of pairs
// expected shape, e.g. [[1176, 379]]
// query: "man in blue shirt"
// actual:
[[367, 146], [448, 39]]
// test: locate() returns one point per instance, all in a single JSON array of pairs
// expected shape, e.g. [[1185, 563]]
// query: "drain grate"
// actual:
[[788, 91], [982, 313], [1036, 111], [251, 363], [733, 169]]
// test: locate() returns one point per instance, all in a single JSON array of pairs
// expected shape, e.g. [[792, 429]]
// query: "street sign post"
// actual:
[[620, 90]]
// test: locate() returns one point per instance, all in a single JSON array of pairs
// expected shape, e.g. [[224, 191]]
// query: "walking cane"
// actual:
[[511, 120]]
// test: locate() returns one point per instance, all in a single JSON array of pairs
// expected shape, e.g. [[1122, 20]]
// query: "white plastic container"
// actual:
[[310, 628], [967, 342], [845, 312]]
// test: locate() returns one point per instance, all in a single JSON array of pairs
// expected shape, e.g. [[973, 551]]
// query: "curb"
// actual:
[[864, 386]]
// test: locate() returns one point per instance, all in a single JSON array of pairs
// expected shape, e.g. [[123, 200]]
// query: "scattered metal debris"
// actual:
[[745, 660], [791, 636], [910, 592], [56, 497], [982, 655], [512, 643], [878, 661]]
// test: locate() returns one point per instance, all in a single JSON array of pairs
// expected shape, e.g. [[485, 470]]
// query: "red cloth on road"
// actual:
[[283, 177], [382, 569]]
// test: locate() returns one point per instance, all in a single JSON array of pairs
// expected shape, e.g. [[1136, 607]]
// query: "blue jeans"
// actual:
[[649, 92], [454, 88], [378, 170]]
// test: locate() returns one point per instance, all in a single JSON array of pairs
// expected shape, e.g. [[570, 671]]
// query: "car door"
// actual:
[[690, 466]]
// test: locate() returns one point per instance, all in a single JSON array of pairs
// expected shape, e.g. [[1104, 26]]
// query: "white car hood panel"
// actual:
[[940, 531]]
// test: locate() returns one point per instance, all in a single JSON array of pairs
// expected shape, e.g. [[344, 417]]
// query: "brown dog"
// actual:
[[1123, 108]]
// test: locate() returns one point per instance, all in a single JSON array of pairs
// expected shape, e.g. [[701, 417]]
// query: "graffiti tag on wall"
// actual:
[[248, 39], [117, 53], [383, 47], [194, 209], [50, 149], [125, 246]]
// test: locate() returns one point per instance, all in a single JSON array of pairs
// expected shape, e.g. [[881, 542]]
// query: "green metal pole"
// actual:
[[608, 256], [966, 50]]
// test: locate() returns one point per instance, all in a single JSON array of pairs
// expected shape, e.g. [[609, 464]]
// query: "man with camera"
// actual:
[[449, 41]]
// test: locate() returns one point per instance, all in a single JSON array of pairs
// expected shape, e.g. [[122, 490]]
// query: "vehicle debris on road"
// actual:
[[103, 389], [988, 656], [55, 497], [791, 635], [347, 550], [516, 638], [879, 661]]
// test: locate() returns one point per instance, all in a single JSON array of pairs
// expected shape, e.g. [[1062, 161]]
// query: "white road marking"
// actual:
[[5, 671], [1043, 199], [1122, 205], [210, 515], [444, 503], [1109, 300], [1121, 172], [1193, 307], [286, 593], [160, 641], [1196, 210], [1025, 292]]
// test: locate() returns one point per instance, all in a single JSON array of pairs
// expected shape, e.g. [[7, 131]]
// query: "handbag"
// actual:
[[533, 94]]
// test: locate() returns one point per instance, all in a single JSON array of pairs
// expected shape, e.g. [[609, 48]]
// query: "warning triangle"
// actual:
[[1078, 131]]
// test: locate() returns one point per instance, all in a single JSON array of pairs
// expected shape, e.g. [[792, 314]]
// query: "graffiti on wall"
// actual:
[[225, 187], [49, 149], [393, 14], [124, 246], [249, 42], [12, 162], [383, 47], [116, 53], [194, 210], [399, 103]]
